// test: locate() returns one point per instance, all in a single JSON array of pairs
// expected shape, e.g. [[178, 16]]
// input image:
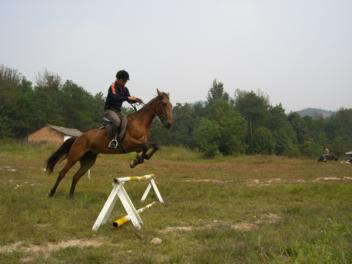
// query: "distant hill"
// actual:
[[311, 112]]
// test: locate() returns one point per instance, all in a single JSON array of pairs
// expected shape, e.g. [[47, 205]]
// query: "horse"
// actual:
[[328, 157], [86, 147]]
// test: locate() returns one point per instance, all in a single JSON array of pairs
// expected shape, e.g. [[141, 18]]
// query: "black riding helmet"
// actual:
[[122, 75]]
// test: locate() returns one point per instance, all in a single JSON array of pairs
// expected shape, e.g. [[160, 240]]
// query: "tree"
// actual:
[[339, 124], [263, 141], [317, 138], [284, 144], [161, 135], [223, 131], [10, 81], [78, 107], [184, 123], [127, 110], [24, 113], [48, 81], [199, 110], [98, 106], [208, 136], [47, 101], [254, 107], [307, 146], [339, 146], [277, 119], [217, 92], [299, 126], [233, 127]]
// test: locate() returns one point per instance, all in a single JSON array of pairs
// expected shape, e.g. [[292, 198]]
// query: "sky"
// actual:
[[297, 52]]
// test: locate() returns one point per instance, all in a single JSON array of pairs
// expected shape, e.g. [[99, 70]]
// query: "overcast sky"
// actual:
[[297, 52]]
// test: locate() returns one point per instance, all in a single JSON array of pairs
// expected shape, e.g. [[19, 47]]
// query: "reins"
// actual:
[[164, 96]]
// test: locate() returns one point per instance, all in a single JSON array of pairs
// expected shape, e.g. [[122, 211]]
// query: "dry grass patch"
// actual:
[[49, 248], [263, 219]]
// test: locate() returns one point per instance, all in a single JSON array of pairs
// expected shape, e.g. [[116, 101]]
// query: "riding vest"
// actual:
[[116, 97]]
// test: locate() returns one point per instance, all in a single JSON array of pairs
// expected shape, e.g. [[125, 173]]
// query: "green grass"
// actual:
[[249, 209]]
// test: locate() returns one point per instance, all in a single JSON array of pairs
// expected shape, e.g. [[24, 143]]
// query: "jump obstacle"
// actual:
[[119, 191]]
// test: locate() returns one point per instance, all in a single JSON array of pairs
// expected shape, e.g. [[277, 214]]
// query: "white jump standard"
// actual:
[[119, 191]]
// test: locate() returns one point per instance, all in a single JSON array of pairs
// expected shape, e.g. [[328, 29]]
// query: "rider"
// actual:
[[326, 153], [117, 94]]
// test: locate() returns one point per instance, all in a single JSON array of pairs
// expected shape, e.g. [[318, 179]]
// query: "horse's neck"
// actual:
[[146, 113]]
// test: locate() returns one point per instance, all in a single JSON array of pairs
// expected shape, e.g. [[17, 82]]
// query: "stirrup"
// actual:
[[111, 143]]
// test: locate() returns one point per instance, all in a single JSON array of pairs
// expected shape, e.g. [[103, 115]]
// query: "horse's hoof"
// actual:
[[132, 164], [50, 195]]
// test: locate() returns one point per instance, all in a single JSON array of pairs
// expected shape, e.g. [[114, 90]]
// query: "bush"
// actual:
[[340, 146], [208, 137], [284, 145], [263, 141], [223, 132]]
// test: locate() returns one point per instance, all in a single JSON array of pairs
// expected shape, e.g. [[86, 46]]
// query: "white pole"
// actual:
[[134, 178]]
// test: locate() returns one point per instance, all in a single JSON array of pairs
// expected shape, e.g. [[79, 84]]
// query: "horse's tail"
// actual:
[[60, 154]]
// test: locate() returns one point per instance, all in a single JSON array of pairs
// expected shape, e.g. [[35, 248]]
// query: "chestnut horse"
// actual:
[[86, 147], [328, 157]]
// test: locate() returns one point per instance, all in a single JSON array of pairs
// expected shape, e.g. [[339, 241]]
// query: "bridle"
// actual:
[[155, 112]]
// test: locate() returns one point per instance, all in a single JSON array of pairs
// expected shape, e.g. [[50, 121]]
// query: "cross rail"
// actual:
[[119, 192]]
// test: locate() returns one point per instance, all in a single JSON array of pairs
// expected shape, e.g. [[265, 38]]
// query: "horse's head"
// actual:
[[163, 109]]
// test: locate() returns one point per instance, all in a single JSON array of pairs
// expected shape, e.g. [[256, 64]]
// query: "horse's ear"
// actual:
[[159, 93], [168, 95]]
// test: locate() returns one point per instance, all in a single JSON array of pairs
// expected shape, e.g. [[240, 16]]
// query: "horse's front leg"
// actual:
[[155, 147], [147, 156], [141, 156]]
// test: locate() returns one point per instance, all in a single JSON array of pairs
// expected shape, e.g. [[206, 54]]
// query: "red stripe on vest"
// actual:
[[113, 88]]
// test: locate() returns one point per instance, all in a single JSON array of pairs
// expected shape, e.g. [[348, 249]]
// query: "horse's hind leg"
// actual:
[[87, 161], [74, 155], [62, 174]]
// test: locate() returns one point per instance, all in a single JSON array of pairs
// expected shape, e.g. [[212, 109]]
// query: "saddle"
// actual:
[[110, 129]]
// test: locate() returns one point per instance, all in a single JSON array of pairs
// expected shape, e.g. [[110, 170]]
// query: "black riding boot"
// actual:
[[112, 136]]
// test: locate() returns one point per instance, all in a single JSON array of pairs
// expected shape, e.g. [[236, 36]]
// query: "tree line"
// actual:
[[249, 124], [222, 125], [25, 107]]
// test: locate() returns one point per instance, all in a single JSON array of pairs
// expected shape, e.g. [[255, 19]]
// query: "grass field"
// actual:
[[247, 209]]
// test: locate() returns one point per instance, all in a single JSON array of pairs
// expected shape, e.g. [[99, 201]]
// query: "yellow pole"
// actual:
[[125, 219]]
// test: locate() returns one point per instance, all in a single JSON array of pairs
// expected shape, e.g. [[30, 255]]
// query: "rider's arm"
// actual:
[[128, 100]]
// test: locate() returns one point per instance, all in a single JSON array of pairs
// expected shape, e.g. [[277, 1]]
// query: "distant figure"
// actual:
[[326, 153], [350, 159]]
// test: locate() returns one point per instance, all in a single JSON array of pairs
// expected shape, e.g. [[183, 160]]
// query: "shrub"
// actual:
[[263, 141]]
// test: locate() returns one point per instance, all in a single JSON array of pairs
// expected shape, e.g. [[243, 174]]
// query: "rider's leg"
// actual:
[[120, 115], [114, 118], [324, 156], [122, 128]]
